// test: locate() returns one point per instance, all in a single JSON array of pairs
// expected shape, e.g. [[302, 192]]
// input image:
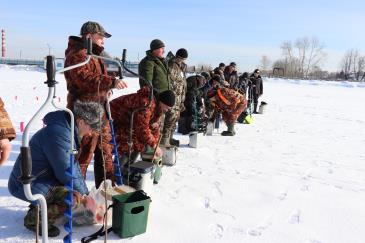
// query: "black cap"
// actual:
[[222, 64], [167, 97], [156, 44], [233, 64], [256, 71], [91, 27], [182, 53]]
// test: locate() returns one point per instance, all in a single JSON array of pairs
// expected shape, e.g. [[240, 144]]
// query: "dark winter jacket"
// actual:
[[83, 82], [6, 127], [218, 71], [143, 132], [50, 158], [193, 94], [154, 70], [257, 85], [230, 77]]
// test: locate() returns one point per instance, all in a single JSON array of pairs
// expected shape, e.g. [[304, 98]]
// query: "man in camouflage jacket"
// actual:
[[146, 122], [177, 69], [230, 103], [91, 82], [7, 133]]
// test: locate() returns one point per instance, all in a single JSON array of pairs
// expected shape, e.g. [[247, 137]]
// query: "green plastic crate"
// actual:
[[130, 213]]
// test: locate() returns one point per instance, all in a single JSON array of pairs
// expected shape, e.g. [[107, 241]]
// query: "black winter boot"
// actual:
[[174, 142], [230, 131], [255, 109]]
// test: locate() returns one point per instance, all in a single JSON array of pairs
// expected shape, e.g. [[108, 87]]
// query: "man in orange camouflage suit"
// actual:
[[91, 82], [146, 122], [230, 103], [7, 133]]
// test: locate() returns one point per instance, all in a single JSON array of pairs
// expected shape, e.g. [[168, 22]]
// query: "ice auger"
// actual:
[[26, 172]]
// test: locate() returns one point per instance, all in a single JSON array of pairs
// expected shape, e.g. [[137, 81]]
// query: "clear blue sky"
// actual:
[[212, 31]]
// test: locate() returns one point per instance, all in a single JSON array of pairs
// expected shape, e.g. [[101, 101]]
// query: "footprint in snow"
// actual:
[[282, 196], [217, 185], [312, 241], [304, 188], [258, 230], [295, 217], [254, 232], [217, 230], [207, 202]]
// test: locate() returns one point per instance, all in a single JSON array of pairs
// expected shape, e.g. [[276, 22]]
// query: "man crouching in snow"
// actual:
[[50, 155], [229, 102], [146, 122]]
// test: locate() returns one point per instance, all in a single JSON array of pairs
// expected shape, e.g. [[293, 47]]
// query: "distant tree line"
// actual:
[[304, 57]]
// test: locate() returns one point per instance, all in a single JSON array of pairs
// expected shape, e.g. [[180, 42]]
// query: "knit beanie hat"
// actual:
[[167, 97], [182, 53], [156, 44], [89, 111]]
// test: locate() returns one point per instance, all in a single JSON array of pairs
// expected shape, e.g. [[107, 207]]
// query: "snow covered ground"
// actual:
[[296, 175]]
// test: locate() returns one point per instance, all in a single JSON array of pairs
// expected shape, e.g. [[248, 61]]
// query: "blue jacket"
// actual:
[[50, 158]]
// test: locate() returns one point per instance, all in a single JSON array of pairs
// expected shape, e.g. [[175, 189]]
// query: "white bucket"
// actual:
[[143, 176], [193, 139], [169, 155], [262, 107], [210, 128]]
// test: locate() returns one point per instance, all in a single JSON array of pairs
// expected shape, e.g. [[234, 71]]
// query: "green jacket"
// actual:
[[155, 70]]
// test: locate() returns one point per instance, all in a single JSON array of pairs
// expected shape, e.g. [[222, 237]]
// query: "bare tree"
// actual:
[[347, 63], [315, 56], [265, 63], [353, 65]]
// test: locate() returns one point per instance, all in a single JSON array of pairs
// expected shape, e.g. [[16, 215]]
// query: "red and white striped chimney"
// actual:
[[3, 52]]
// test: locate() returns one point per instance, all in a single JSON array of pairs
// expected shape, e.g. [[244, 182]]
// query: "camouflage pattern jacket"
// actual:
[[83, 82], [145, 130], [6, 127], [230, 102], [178, 83]]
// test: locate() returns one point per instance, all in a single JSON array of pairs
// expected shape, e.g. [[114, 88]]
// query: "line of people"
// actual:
[[166, 96]]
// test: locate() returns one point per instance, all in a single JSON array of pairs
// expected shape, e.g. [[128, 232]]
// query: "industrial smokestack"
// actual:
[[3, 52]]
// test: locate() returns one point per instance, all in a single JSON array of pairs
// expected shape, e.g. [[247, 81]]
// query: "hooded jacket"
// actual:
[[50, 158]]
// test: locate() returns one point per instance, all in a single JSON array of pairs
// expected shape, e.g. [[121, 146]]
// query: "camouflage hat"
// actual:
[[92, 28]]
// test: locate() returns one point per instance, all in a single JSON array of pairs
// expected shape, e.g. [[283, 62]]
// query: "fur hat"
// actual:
[[92, 28], [167, 97], [156, 44], [89, 111], [182, 53]]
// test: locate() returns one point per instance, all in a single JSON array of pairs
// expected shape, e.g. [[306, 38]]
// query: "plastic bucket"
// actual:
[[169, 155], [130, 214], [193, 139], [262, 106]]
